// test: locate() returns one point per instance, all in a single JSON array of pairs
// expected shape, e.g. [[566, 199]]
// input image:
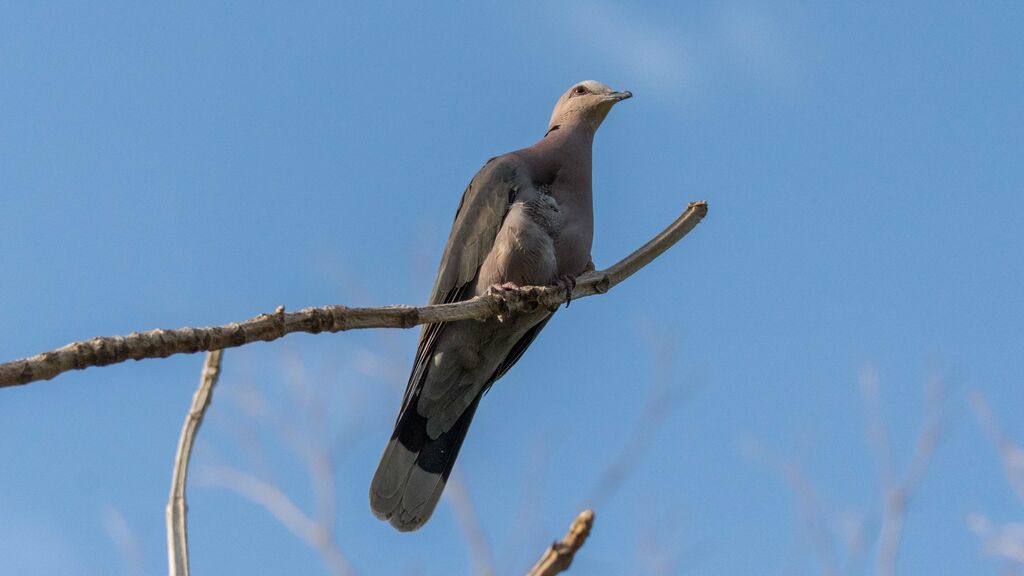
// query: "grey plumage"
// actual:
[[526, 218]]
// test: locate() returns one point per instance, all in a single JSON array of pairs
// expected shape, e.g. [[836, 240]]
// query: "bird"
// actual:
[[525, 219]]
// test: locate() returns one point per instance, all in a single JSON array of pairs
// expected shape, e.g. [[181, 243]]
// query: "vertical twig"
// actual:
[[177, 506]]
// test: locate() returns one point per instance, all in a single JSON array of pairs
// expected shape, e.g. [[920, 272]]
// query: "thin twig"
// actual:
[[105, 350], [177, 506], [558, 557]]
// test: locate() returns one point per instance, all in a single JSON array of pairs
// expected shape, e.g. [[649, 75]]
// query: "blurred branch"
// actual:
[[663, 400], [661, 548], [126, 540], [309, 444], [105, 350], [1010, 453], [177, 506], [275, 501], [457, 494], [1005, 540], [558, 557], [808, 503], [899, 491]]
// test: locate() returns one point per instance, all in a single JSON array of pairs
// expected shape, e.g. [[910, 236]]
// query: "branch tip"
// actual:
[[558, 557]]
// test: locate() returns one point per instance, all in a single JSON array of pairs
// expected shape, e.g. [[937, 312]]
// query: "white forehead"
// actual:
[[594, 86]]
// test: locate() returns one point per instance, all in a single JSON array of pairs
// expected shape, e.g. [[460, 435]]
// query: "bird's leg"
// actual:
[[568, 283]]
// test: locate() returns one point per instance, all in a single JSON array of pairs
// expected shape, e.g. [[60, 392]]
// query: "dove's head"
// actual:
[[586, 104]]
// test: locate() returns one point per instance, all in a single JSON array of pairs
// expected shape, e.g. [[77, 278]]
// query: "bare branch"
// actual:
[[558, 557], [177, 506], [105, 350]]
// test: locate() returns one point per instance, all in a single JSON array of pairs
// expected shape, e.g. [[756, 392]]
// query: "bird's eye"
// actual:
[[579, 90]]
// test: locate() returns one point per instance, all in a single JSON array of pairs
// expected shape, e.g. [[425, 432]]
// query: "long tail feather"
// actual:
[[414, 468]]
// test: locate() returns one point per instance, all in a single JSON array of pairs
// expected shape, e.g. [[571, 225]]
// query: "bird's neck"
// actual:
[[565, 151]]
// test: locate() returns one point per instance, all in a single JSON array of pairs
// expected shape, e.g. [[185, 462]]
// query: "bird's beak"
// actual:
[[620, 96]]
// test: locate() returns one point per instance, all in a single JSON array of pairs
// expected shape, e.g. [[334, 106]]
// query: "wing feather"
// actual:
[[478, 219]]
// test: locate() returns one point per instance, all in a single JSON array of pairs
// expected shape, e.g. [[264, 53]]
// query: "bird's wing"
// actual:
[[423, 447], [481, 212], [483, 208]]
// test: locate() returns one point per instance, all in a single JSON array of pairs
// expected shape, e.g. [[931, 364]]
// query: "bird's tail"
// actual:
[[413, 471]]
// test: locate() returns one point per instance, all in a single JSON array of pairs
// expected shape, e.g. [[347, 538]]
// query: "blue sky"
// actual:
[[189, 164]]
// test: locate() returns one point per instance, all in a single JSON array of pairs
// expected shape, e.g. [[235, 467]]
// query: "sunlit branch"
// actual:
[[105, 350]]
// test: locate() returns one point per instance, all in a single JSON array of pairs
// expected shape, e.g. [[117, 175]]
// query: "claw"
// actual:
[[568, 283]]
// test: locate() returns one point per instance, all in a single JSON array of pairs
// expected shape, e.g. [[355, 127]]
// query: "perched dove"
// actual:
[[526, 218]]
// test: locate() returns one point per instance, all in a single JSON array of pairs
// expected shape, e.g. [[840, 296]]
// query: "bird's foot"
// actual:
[[500, 290], [497, 289], [567, 283]]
